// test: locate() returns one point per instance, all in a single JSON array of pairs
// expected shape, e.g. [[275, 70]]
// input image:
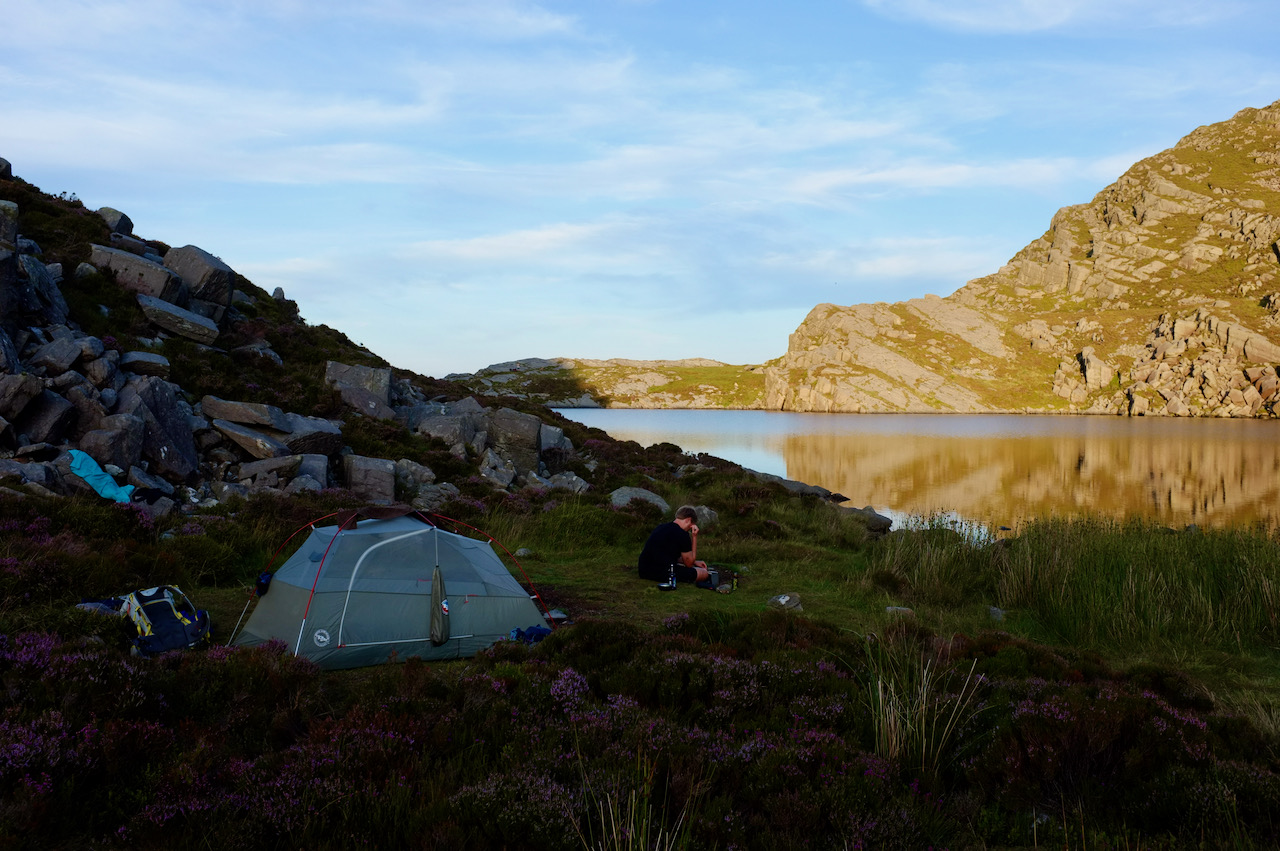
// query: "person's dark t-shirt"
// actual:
[[665, 546]]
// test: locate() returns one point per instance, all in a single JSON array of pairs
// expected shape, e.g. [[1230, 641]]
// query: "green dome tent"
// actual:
[[357, 592]]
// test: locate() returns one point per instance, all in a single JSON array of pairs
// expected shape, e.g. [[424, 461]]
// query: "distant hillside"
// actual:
[[622, 383], [1160, 296]]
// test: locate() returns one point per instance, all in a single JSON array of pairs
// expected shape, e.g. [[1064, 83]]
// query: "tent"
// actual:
[[359, 591]]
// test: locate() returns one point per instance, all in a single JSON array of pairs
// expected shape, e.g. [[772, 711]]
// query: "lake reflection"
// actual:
[[996, 469]]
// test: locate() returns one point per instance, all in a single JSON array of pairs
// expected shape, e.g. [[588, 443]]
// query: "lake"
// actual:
[[993, 469]]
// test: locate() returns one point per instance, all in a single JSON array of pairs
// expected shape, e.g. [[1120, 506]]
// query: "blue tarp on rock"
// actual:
[[87, 468]]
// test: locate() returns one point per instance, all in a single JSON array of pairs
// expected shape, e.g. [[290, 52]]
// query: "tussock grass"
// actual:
[[1102, 584]]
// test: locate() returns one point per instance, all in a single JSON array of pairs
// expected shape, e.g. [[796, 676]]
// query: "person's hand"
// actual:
[[699, 564], [693, 529]]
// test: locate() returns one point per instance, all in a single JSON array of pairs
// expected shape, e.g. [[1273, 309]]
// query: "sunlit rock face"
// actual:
[[1159, 297]]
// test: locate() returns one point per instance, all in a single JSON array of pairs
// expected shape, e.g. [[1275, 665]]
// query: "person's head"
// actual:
[[686, 516]]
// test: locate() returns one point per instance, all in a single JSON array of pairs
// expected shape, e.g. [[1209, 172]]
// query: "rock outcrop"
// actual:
[[62, 388], [1159, 297]]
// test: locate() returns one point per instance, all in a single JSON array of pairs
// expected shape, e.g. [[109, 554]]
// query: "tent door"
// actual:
[[439, 619]]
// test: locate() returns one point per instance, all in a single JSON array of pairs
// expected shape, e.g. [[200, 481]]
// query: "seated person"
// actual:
[[674, 544]]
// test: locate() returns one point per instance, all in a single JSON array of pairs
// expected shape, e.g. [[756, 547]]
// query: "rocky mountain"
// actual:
[[1158, 297]]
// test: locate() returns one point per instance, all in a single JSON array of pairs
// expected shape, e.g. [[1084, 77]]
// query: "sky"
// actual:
[[455, 183]]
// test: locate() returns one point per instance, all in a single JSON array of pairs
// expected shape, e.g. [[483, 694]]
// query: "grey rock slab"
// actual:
[[315, 467], [56, 357], [366, 403], [431, 497], [179, 321], [622, 497], [301, 484], [371, 479], [515, 435], [414, 474], [47, 418], [207, 277], [284, 465], [376, 381], [570, 482], [246, 413], [131, 245], [256, 443], [311, 435], [45, 287], [145, 363], [140, 478], [139, 275], [118, 440], [168, 442]]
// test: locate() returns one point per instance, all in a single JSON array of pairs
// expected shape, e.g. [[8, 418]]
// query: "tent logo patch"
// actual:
[[321, 637], [444, 607]]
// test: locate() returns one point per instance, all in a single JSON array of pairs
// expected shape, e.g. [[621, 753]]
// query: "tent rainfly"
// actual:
[[354, 594]]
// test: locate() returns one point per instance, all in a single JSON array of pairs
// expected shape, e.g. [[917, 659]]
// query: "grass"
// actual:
[[686, 720]]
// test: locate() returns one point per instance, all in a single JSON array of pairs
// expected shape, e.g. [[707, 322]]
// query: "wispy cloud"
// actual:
[[1029, 16]]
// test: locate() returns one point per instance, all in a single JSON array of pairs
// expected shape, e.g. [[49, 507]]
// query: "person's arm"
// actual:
[[690, 558]]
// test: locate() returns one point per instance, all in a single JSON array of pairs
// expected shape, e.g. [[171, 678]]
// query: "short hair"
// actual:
[[686, 512]]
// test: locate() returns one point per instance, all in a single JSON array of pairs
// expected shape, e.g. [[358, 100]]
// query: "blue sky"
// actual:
[[458, 182]]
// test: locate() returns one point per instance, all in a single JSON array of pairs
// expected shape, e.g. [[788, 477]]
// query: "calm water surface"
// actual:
[[997, 469]]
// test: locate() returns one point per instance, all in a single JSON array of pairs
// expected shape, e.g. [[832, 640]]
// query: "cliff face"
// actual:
[[1160, 296]]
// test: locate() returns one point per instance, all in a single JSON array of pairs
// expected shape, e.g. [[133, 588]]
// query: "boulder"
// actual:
[[208, 279], [366, 403], [877, 524], [431, 497], [371, 479], [569, 481], [707, 517], [89, 408], [9, 360], [103, 372], [43, 475], [300, 484], [256, 443], [118, 440], [1097, 372], [622, 497], [6, 169], [456, 430], [17, 392], [413, 475], [45, 288], [168, 442], [311, 435], [142, 480], [46, 418], [133, 246], [552, 438], [116, 220], [175, 319], [285, 466], [469, 405], [144, 363], [56, 357], [376, 382], [515, 435], [497, 469], [245, 413], [140, 275], [315, 467]]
